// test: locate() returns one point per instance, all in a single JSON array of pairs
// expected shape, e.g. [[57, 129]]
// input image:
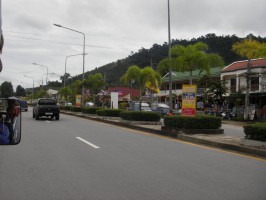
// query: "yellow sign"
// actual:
[[189, 99]]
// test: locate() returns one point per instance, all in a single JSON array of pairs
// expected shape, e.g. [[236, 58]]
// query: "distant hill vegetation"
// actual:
[[147, 57]]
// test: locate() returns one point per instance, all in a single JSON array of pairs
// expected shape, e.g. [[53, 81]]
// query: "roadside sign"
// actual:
[[189, 99]]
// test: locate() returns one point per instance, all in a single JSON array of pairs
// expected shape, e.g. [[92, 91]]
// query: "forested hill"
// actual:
[[147, 57]]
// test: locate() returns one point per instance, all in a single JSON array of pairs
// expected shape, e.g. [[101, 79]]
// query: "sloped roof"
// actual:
[[196, 74], [123, 91], [242, 65]]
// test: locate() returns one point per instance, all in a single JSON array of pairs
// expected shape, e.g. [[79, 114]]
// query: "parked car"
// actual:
[[161, 108], [89, 104], [23, 105], [134, 106], [68, 104], [46, 107]]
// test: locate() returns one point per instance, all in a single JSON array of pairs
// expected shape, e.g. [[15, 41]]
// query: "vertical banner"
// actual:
[[189, 94], [114, 100], [78, 100]]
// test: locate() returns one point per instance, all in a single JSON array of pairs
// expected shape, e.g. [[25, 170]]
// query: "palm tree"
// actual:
[[144, 78], [191, 57]]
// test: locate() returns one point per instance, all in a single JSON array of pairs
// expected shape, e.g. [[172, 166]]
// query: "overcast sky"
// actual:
[[113, 29]]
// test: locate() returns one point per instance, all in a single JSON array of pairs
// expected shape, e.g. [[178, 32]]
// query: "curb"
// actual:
[[221, 145]]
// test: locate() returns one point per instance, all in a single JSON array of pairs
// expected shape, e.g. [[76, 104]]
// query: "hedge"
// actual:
[[197, 122], [109, 112], [140, 116], [256, 131], [75, 109], [92, 110], [65, 107]]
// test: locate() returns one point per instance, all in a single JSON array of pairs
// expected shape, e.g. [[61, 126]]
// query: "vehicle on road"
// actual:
[[46, 107], [23, 105]]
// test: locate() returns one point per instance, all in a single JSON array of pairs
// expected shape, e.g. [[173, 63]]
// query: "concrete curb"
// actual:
[[221, 145]]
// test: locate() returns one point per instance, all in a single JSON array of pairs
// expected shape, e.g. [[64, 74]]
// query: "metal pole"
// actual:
[[246, 111], [46, 70], [82, 95], [66, 64], [170, 62]]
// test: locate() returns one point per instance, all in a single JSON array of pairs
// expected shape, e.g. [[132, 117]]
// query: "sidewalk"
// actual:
[[232, 139]]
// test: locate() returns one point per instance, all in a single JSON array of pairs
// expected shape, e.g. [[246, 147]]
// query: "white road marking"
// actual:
[[88, 143]]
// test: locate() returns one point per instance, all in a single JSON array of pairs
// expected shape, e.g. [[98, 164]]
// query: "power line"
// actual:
[[51, 41]]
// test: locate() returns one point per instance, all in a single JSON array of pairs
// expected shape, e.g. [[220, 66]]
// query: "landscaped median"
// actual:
[[200, 124], [140, 117]]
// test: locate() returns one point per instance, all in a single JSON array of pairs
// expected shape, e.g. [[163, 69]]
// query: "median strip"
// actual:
[[88, 143]]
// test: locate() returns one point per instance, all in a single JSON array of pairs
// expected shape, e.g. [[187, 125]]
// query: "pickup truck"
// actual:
[[46, 107]]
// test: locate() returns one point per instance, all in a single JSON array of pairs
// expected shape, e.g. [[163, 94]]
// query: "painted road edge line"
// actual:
[[87, 142]]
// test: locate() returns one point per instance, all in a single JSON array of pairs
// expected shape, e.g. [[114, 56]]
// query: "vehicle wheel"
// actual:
[[57, 117], [33, 115], [37, 117]]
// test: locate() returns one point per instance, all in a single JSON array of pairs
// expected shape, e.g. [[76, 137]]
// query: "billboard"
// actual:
[[189, 99]]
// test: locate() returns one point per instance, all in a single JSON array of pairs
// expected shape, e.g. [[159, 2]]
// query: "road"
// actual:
[[74, 159]]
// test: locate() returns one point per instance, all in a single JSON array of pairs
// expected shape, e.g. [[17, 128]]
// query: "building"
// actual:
[[235, 76], [179, 78], [125, 93]]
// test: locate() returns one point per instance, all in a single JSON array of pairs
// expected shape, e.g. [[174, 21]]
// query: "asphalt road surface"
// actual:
[[74, 159]]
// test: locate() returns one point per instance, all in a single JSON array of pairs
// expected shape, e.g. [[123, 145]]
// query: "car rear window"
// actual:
[[47, 102]]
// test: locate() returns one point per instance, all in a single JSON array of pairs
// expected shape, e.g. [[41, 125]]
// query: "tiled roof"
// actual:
[[240, 65], [196, 74], [123, 91]]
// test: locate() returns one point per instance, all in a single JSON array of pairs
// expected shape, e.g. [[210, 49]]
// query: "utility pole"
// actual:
[[246, 111], [170, 62]]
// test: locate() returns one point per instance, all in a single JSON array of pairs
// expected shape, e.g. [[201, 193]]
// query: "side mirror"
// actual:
[[10, 121]]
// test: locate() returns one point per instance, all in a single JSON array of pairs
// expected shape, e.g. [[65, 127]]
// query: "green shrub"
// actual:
[[140, 116], [197, 122], [109, 112], [256, 131], [75, 109], [88, 110], [65, 107]]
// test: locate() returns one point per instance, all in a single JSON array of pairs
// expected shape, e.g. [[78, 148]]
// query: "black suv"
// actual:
[[46, 107]]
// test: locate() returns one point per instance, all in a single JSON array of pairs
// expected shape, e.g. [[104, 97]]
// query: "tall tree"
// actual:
[[95, 82], [6, 89], [194, 56], [144, 78], [65, 92], [249, 49], [20, 91]]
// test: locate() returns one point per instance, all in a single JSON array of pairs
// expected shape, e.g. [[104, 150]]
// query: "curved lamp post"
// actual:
[[66, 65], [46, 70], [82, 92]]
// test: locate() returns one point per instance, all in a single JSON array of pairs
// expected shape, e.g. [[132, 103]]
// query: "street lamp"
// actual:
[[82, 92], [46, 69], [32, 85], [66, 63], [170, 62]]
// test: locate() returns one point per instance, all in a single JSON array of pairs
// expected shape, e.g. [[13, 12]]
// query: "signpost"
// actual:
[[189, 99]]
